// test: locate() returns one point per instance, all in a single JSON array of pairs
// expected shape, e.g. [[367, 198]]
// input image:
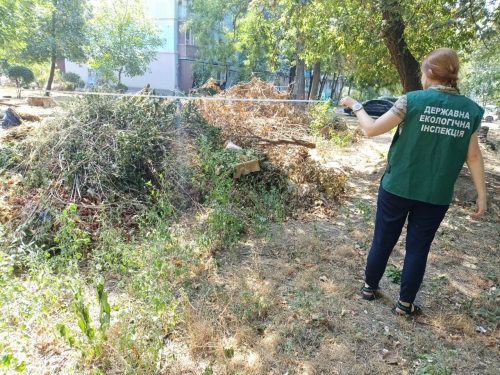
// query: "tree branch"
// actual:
[[276, 142]]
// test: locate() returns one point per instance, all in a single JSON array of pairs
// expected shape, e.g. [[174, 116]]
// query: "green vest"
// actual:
[[426, 157]]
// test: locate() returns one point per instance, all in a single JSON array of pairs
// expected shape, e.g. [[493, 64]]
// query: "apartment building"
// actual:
[[171, 71]]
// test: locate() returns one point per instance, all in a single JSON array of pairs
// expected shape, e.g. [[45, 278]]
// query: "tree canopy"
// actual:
[[382, 40], [59, 31], [16, 15], [124, 39], [21, 75]]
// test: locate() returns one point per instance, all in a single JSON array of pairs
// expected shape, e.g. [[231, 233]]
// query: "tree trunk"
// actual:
[[315, 81], [349, 91], [334, 85], [291, 81], [341, 87], [322, 86], [300, 79], [53, 57], [120, 74], [393, 33], [310, 85]]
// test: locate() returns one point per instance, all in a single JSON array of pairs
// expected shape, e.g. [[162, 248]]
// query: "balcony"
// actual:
[[186, 50]]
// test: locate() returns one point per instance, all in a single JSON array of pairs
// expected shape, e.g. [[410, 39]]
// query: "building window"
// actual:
[[190, 38]]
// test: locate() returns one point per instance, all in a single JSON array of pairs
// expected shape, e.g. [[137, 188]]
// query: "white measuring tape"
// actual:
[[131, 95]]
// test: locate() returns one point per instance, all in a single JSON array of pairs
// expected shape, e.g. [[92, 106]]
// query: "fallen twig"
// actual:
[[275, 142], [9, 105]]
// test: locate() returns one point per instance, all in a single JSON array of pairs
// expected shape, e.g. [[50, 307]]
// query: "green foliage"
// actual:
[[232, 202], [481, 73], [21, 75], [351, 39], [202, 72], [104, 307], [82, 313], [4, 65], [393, 274], [121, 88], [16, 16], [70, 81], [325, 123], [41, 72], [72, 241], [60, 29], [229, 352], [9, 157], [433, 364], [123, 39], [71, 77], [65, 333], [215, 41], [118, 154]]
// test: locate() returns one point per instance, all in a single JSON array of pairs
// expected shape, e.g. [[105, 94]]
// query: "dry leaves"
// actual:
[[390, 357], [273, 120]]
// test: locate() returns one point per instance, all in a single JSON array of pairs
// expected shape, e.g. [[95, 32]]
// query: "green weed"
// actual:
[[393, 274], [71, 239], [365, 208]]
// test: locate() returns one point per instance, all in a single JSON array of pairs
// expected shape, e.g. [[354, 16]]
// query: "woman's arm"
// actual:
[[373, 127], [475, 163]]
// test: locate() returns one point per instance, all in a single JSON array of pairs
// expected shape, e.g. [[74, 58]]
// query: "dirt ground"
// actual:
[[290, 304], [309, 276]]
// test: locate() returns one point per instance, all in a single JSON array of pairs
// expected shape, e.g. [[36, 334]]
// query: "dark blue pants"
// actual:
[[423, 222]]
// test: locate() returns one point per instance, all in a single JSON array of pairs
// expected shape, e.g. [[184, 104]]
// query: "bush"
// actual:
[[21, 75], [67, 86], [73, 78], [121, 88], [4, 66], [70, 81], [70, 77]]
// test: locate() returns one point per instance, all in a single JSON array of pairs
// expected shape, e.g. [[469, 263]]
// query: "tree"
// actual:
[[383, 40], [13, 24], [480, 78], [124, 39], [59, 31], [214, 25], [21, 75], [409, 30]]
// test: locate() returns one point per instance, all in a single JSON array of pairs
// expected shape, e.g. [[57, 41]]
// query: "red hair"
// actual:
[[442, 65]]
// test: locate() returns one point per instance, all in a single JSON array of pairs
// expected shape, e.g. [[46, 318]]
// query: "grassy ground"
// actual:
[[283, 301]]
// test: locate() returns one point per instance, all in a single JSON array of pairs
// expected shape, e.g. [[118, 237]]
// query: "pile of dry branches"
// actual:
[[282, 129], [251, 123]]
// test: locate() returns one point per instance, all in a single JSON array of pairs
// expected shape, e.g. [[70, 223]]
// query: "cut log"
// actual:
[[246, 168], [41, 101]]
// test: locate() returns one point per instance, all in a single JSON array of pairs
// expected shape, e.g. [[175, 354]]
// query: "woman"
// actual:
[[437, 133]]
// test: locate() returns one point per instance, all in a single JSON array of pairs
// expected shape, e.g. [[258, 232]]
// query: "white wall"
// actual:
[[162, 73], [81, 70]]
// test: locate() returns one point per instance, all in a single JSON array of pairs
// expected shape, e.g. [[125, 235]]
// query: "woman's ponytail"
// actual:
[[442, 65]]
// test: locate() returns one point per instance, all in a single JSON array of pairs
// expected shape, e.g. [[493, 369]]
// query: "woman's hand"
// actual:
[[480, 208], [372, 127], [348, 102]]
